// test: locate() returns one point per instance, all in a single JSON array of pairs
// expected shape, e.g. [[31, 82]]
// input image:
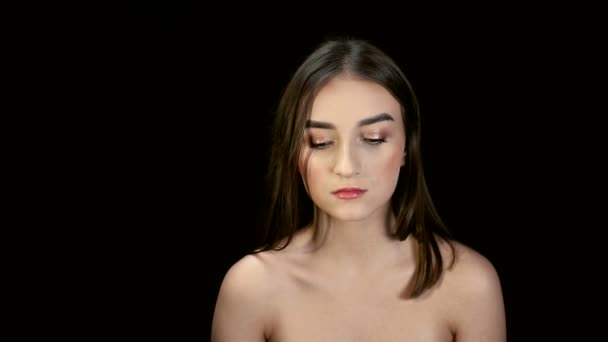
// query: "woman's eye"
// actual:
[[320, 144], [374, 141]]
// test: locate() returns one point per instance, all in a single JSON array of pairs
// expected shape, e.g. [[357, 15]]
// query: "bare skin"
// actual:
[[296, 295], [346, 280]]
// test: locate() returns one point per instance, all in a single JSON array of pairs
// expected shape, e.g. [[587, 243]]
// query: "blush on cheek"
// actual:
[[306, 167], [304, 161], [393, 164]]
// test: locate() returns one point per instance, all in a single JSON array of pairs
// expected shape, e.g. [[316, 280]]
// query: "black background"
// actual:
[[195, 88]]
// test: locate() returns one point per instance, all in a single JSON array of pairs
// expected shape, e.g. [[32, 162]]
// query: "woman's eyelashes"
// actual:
[[374, 141], [319, 143]]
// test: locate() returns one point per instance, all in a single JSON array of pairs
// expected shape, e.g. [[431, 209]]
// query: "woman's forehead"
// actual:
[[350, 100]]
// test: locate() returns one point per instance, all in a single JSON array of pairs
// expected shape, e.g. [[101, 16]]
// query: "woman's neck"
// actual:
[[359, 245]]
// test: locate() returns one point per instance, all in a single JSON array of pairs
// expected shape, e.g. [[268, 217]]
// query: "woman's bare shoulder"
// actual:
[[244, 306], [250, 276], [471, 268], [473, 296]]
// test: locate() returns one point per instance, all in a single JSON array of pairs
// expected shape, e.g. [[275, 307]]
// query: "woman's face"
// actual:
[[353, 148]]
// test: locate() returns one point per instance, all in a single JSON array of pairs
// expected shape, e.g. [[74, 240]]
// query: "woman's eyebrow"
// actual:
[[319, 124], [376, 118], [364, 122]]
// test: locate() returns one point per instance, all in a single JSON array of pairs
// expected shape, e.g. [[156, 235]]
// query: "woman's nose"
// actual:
[[345, 164]]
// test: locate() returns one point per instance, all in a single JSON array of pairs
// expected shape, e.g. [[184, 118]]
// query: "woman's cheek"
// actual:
[[303, 160], [392, 163]]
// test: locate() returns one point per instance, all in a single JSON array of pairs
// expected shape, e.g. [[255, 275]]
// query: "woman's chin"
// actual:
[[349, 214]]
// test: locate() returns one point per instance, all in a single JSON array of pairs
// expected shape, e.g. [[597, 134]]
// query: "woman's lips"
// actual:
[[349, 193]]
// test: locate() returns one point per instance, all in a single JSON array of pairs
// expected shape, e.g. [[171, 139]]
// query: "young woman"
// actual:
[[354, 249]]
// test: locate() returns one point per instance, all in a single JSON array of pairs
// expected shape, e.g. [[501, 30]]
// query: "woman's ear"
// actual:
[[403, 158]]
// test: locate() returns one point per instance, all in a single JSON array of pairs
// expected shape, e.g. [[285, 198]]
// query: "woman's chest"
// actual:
[[359, 317]]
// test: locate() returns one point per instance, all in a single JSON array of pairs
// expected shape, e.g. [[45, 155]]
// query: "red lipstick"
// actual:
[[349, 193]]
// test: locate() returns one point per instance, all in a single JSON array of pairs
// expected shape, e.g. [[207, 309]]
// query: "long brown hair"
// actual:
[[288, 206]]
